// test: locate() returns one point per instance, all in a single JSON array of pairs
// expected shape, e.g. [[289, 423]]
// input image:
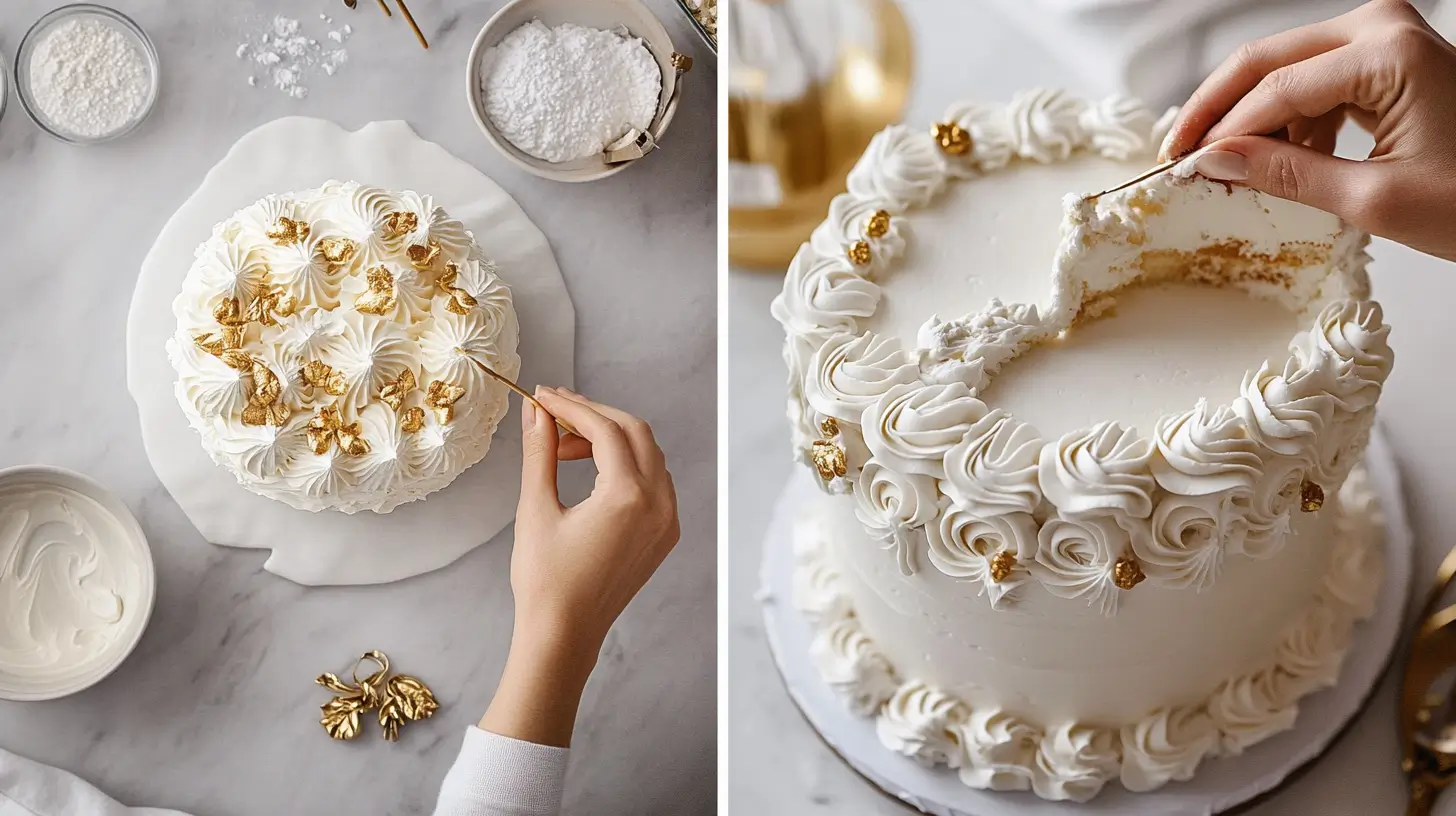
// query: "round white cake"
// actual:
[[331, 347], [1098, 524]]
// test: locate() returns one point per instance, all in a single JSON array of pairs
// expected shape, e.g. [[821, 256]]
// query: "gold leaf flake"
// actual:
[[441, 398], [286, 231], [327, 427], [952, 138], [461, 301], [859, 253], [379, 300], [322, 375], [1127, 573], [229, 312], [828, 459], [337, 251], [393, 393], [878, 225], [400, 223], [415, 699], [413, 420], [1311, 497], [1001, 565], [341, 717], [423, 257]]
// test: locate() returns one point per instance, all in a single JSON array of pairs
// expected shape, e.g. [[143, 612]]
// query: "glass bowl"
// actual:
[[109, 16]]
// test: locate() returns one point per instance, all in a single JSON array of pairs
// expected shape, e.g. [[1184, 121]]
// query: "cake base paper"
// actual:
[[1220, 784], [296, 153]]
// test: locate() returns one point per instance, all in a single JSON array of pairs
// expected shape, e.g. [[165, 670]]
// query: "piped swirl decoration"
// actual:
[[316, 328], [1221, 479], [994, 747]]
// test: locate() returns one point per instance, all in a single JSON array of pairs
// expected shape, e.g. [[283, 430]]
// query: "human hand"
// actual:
[[574, 569], [1383, 67]]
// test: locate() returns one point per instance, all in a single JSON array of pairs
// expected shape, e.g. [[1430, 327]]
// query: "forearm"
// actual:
[[541, 686]]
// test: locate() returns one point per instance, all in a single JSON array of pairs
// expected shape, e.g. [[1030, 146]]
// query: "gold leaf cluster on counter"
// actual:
[[396, 701]]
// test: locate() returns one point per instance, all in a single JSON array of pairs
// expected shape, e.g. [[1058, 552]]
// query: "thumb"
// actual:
[[1289, 171], [538, 458]]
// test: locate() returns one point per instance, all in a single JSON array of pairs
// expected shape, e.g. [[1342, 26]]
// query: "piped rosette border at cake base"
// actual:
[[889, 728]]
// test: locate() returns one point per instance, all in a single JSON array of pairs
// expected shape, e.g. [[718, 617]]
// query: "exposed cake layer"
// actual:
[[330, 345]]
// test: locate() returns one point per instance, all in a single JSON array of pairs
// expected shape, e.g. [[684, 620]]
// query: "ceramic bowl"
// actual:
[[131, 551], [600, 14]]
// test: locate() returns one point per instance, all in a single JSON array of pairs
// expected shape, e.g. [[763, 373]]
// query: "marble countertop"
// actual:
[[216, 713], [777, 764]]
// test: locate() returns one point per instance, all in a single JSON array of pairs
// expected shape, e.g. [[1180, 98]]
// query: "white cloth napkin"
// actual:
[[28, 788]]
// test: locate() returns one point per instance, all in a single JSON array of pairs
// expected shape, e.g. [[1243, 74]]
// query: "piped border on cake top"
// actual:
[[938, 473], [992, 748]]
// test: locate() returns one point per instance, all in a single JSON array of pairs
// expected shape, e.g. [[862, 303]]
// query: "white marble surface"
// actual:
[[777, 764], [216, 713]]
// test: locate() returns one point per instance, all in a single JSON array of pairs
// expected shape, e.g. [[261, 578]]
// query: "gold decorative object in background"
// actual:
[[800, 150], [398, 700]]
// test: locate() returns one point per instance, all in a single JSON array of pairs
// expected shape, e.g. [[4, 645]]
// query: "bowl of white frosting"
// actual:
[[574, 91], [77, 582]]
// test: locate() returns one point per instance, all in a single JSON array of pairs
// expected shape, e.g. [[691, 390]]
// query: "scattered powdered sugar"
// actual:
[[568, 92], [88, 78], [285, 54]]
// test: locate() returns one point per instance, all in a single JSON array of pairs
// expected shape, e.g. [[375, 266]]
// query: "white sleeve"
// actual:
[[501, 776]]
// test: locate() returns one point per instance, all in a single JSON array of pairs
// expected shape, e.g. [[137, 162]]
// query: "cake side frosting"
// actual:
[[1004, 746], [329, 345], [1101, 508]]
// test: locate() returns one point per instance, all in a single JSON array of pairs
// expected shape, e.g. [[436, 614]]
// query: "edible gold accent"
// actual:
[[229, 312], [286, 231], [829, 427], [828, 459], [879, 224], [327, 427], [859, 253], [237, 360], [681, 62], [1127, 573], [379, 300], [1311, 497], [228, 339], [270, 303], [413, 420], [394, 392], [461, 301], [424, 257], [399, 699], [337, 251], [400, 223], [322, 375], [1001, 565], [952, 138], [441, 398]]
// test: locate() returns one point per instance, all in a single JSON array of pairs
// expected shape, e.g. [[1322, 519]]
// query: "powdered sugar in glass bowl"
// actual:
[[86, 74]]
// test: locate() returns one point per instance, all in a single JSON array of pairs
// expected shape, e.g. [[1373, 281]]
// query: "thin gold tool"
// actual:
[[385, 6], [1162, 168], [410, 18], [508, 383]]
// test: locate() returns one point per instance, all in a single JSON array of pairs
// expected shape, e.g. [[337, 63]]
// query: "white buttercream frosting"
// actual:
[[996, 747], [1076, 558], [922, 723], [849, 373], [912, 427], [962, 545], [891, 504], [366, 351], [1100, 470], [993, 469], [902, 167]]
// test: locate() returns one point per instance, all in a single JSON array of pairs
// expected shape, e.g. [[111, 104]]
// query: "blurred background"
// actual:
[[810, 81]]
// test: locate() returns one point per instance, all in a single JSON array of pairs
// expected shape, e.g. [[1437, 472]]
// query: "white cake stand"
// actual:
[[1220, 786], [297, 153]]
